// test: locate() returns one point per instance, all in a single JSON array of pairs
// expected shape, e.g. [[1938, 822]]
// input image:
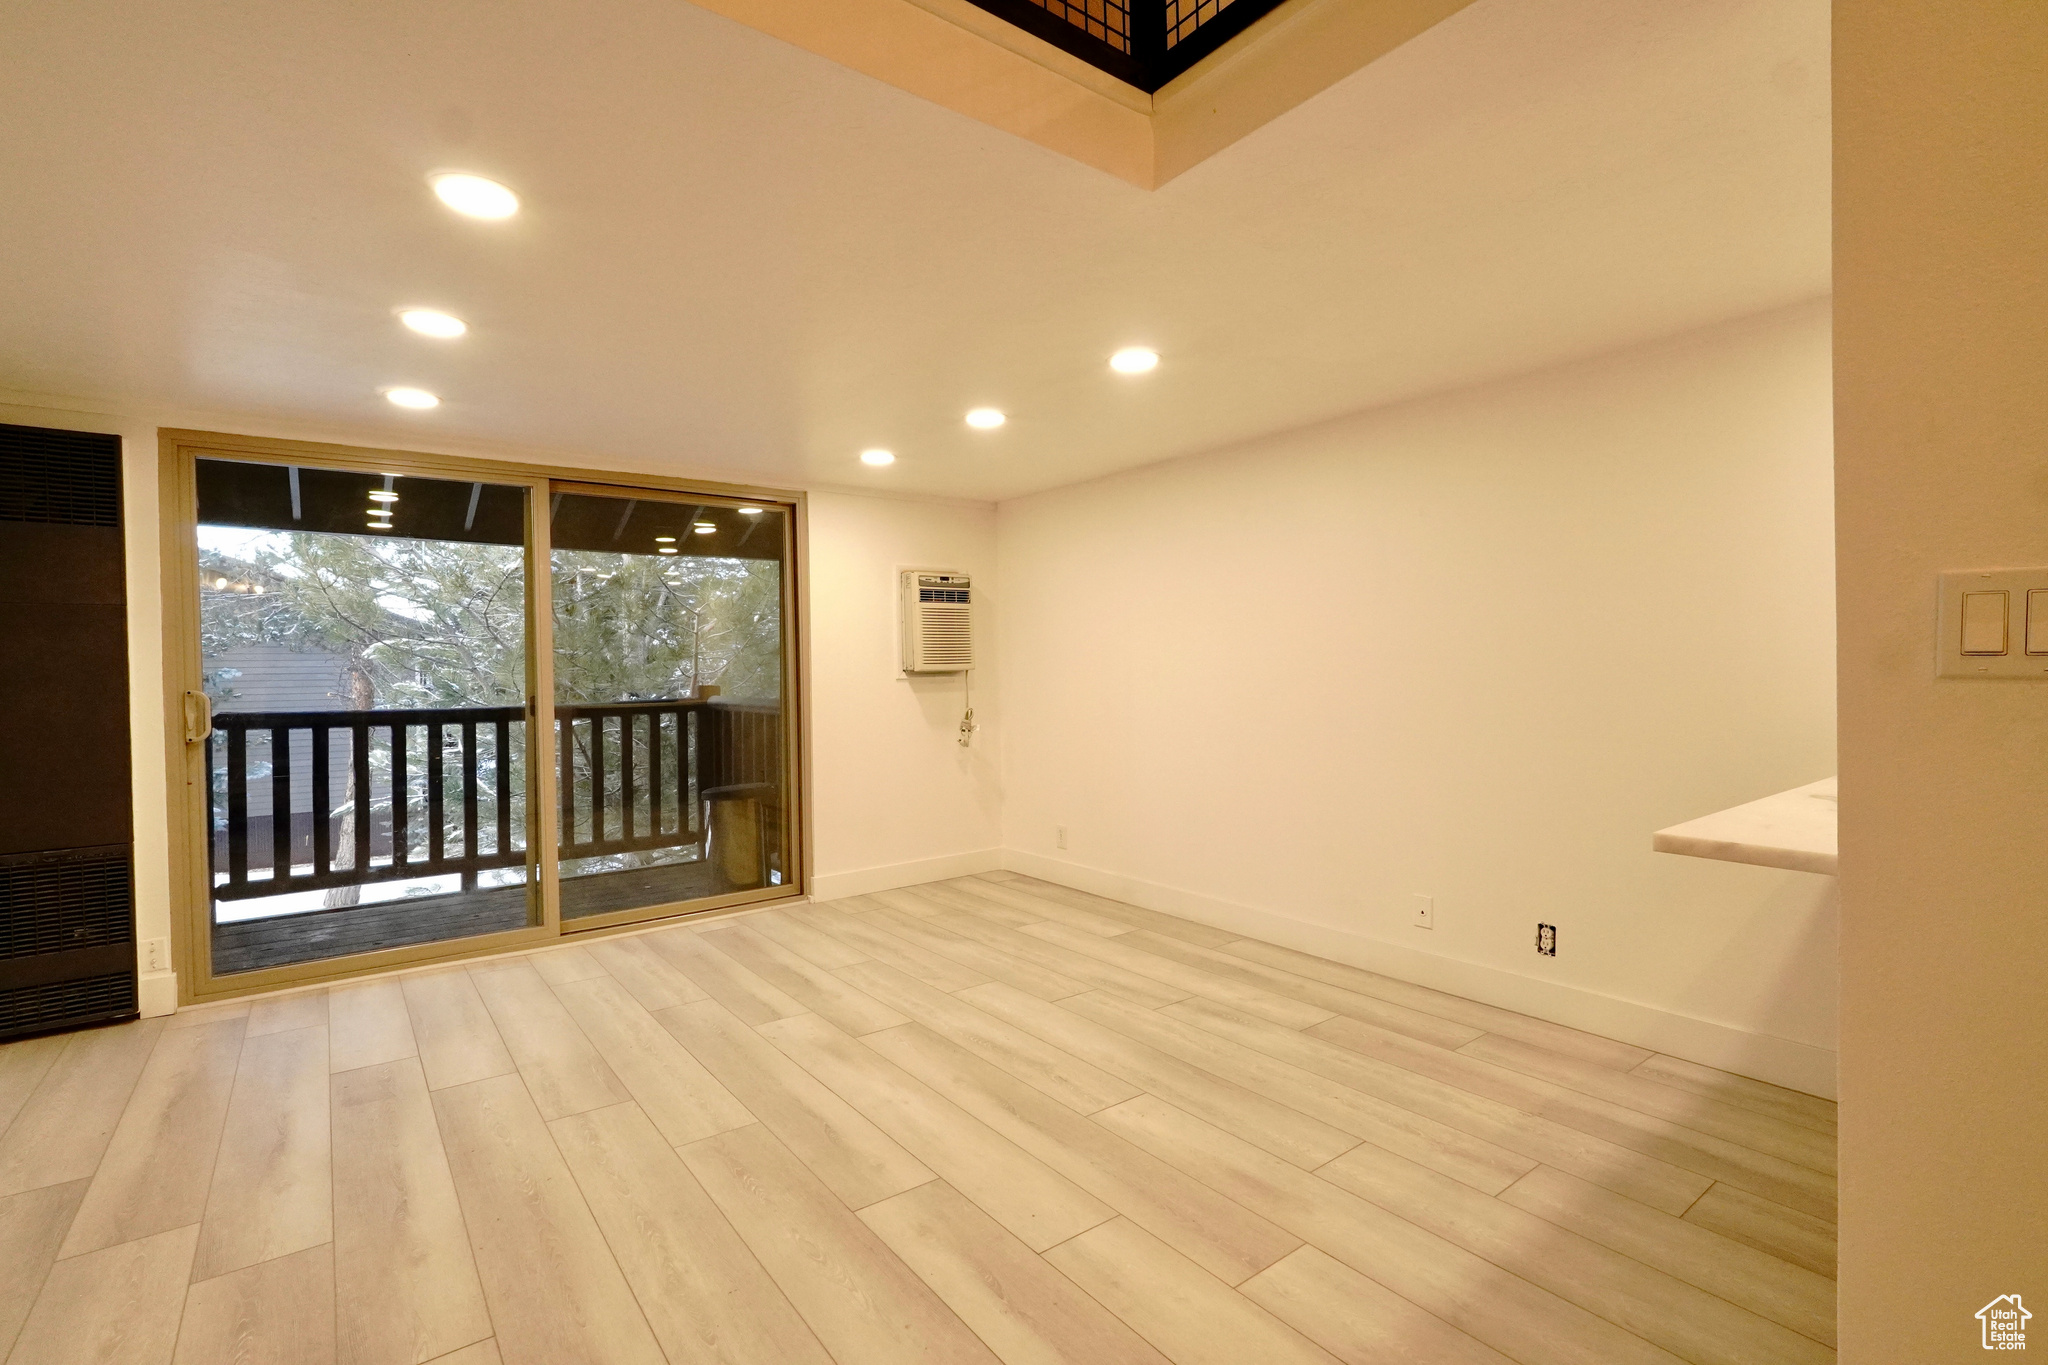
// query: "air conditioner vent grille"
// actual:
[[938, 623], [66, 1004], [59, 904], [68, 478]]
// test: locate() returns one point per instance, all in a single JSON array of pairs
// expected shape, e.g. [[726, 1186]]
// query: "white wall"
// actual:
[[897, 800], [891, 785], [1478, 646]]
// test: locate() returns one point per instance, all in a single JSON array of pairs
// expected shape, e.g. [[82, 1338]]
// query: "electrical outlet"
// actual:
[[1546, 939], [1059, 836], [1425, 912], [156, 955]]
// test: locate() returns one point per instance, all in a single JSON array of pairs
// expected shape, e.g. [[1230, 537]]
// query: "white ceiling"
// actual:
[[736, 255]]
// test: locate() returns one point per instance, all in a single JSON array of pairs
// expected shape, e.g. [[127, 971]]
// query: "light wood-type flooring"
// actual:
[[985, 1119]]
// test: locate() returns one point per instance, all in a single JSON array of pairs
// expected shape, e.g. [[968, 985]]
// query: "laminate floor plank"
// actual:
[[1023, 1309], [864, 1304], [1475, 1161], [457, 1041], [159, 1163], [555, 1294], [979, 957], [32, 1228], [1073, 1082], [855, 1159], [706, 1297], [192, 1016], [810, 943], [272, 1191], [279, 1013], [1776, 1101], [848, 1009], [482, 1353], [405, 1279], [1773, 1177], [1224, 1238], [1053, 957], [986, 1118], [1192, 980], [1396, 1018], [1285, 1132], [1179, 1307], [1358, 1320], [1684, 1319], [367, 1024], [560, 966], [1134, 915], [920, 901], [1487, 1018], [1043, 907], [1732, 1123], [1621, 1169], [649, 977], [63, 1127], [23, 1064], [566, 1074], [940, 973], [116, 1306], [1467, 1291], [1036, 1203], [1790, 1295], [278, 1312], [1800, 1238], [724, 980], [685, 1101]]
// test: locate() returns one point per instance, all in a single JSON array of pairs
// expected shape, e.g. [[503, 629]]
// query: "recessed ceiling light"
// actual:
[[1134, 360], [878, 457], [705, 529], [664, 540], [986, 419], [379, 495], [412, 398], [475, 196], [750, 511], [432, 323], [666, 550]]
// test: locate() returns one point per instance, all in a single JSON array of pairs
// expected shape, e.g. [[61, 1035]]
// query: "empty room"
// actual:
[[1058, 682]]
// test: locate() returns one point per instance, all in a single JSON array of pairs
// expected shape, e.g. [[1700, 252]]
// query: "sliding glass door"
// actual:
[[670, 658], [374, 646]]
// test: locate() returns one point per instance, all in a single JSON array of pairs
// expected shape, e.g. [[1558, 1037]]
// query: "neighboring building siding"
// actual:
[[277, 678]]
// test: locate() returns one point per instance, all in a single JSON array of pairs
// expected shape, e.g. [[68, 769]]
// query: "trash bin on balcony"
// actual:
[[736, 822]]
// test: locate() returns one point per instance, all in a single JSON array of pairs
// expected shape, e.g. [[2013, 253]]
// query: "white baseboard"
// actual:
[[1762, 1056], [830, 886], [157, 993]]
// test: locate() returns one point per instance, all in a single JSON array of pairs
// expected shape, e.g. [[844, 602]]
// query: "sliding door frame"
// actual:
[[187, 781], [700, 495]]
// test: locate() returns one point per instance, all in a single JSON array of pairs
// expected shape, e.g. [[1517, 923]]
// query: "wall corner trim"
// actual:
[[157, 993], [1760, 1056]]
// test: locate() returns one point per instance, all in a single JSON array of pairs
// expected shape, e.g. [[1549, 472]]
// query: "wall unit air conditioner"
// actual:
[[938, 622]]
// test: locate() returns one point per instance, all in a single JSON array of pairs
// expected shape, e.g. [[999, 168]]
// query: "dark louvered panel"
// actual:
[[58, 903], [65, 478], [67, 1004]]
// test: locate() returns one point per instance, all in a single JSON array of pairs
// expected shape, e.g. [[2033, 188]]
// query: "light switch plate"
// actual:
[[1968, 644]]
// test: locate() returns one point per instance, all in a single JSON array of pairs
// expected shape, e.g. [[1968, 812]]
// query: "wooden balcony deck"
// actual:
[[249, 945]]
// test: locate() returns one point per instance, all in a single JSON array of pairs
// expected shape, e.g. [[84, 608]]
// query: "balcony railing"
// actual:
[[318, 800]]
